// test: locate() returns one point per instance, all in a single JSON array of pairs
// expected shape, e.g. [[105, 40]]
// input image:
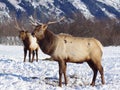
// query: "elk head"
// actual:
[[40, 28], [22, 34]]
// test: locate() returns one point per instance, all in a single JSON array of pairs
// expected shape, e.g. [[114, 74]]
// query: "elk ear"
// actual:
[[44, 27]]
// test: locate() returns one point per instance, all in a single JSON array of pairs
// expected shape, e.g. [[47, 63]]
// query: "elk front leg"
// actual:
[[30, 55], [33, 54], [25, 53], [37, 55], [60, 74], [62, 70]]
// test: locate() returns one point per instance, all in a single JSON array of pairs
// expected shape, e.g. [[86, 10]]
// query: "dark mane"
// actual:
[[48, 42]]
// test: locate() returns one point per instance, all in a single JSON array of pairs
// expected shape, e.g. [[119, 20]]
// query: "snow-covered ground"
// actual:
[[43, 75]]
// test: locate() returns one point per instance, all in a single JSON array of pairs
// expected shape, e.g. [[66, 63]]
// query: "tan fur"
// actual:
[[77, 49], [66, 48], [30, 44]]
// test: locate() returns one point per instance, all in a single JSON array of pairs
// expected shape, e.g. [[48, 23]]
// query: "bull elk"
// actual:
[[65, 48], [29, 42]]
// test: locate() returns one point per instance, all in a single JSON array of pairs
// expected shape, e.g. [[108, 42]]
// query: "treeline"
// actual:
[[105, 30]]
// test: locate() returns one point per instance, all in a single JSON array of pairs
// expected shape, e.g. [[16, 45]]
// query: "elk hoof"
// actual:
[[65, 84], [60, 85], [92, 84], [103, 82]]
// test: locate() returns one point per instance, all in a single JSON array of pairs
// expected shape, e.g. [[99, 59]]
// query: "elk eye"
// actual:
[[33, 33], [44, 26], [38, 29]]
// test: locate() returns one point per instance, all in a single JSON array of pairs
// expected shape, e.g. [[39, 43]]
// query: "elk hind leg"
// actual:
[[100, 68], [95, 70]]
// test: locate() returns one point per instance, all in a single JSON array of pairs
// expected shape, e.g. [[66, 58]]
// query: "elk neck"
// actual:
[[26, 42], [48, 43]]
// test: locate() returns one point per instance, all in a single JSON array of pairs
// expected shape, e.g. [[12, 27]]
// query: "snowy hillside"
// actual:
[[3, 12], [43, 75], [56, 8]]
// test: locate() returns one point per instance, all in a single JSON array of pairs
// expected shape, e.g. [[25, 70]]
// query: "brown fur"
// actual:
[[26, 38], [65, 48]]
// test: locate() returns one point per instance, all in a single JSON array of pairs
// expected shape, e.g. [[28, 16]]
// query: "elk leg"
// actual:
[[64, 72], [30, 55], [37, 55], [25, 53], [60, 74], [95, 70], [33, 54], [94, 77], [100, 68], [62, 69]]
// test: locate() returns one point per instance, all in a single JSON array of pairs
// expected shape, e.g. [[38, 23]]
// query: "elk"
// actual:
[[65, 48], [29, 42]]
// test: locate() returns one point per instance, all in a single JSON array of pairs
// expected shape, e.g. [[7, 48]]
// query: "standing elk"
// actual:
[[65, 48], [29, 42]]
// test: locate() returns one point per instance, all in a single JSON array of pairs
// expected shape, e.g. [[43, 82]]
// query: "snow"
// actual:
[[83, 8], [43, 75], [3, 12], [42, 2], [110, 15], [48, 4], [15, 3], [113, 3], [2, 6]]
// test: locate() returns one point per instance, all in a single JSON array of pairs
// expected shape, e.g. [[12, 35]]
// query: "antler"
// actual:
[[34, 22], [56, 21], [16, 25]]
